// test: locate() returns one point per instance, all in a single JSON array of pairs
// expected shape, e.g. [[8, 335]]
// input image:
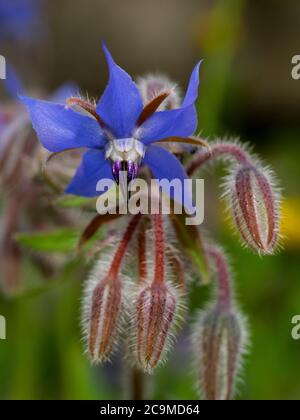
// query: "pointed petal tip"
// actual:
[[192, 90], [103, 44], [121, 103], [109, 59], [200, 62], [196, 69], [198, 66]]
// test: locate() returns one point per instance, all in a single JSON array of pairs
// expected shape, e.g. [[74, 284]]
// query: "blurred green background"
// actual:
[[246, 91]]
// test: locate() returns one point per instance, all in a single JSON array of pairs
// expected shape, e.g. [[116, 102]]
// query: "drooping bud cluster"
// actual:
[[150, 306], [121, 130]]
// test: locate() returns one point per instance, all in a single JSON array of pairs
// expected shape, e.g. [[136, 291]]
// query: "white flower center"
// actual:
[[128, 149]]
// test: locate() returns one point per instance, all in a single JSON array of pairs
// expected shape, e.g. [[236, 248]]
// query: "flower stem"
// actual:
[[142, 253], [119, 255], [224, 293], [231, 150], [159, 272], [138, 384]]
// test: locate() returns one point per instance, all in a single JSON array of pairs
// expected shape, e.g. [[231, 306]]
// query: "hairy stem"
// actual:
[[138, 384], [231, 150], [119, 255], [142, 253], [224, 294], [159, 272]]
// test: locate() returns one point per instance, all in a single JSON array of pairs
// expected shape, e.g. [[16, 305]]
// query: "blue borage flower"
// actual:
[[17, 18], [119, 132]]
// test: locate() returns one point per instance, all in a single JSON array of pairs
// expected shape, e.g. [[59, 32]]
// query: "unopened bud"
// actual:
[[152, 86], [255, 206], [219, 342], [103, 308], [156, 307], [104, 303]]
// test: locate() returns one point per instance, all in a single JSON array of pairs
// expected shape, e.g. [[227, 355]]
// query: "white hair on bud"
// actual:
[[135, 292], [237, 220], [226, 385], [76, 106], [153, 85], [98, 273], [170, 334]]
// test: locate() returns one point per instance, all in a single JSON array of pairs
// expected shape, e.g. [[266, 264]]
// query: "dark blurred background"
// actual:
[[246, 92]]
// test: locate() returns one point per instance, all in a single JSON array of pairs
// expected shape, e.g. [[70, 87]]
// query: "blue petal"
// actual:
[[59, 128], [121, 102], [181, 122], [93, 167], [164, 165], [192, 90]]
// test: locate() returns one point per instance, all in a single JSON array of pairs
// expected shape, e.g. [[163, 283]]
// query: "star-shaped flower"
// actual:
[[119, 131]]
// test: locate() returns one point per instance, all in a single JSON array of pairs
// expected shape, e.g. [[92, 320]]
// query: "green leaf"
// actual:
[[61, 240], [75, 201]]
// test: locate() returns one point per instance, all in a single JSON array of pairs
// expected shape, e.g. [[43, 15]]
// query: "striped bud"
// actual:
[[155, 307], [220, 340], [255, 207], [103, 312], [104, 303]]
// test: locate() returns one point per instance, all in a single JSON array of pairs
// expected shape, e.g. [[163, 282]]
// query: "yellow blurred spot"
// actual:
[[290, 221]]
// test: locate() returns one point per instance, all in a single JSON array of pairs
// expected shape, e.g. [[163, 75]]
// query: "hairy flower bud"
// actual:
[[254, 204], [103, 309], [155, 310], [104, 302], [151, 86], [219, 342]]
